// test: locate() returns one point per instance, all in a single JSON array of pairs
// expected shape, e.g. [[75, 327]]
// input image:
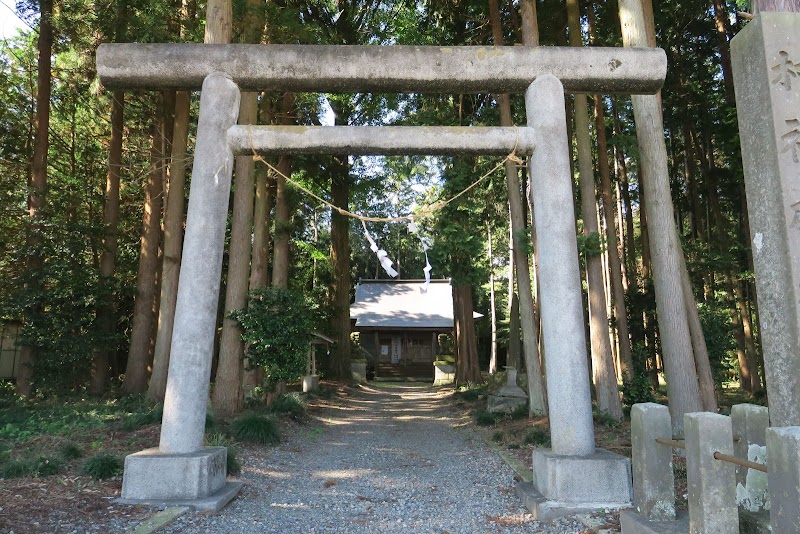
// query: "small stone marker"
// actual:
[[750, 424], [653, 478], [712, 483], [509, 397], [766, 73]]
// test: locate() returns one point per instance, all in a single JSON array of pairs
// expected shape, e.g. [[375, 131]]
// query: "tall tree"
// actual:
[[174, 217], [144, 314], [605, 379], [173, 244], [227, 395], [106, 313], [614, 263], [37, 183], [530, 328], [340, 254], [679, 366]]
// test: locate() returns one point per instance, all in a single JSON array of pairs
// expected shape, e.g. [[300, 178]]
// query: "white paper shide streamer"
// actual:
[[412, 227], [383, 257]]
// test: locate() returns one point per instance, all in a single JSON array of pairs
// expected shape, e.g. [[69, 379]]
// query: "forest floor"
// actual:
[[46, 445]]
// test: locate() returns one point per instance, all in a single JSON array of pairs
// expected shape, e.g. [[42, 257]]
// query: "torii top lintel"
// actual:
[[321, 68]]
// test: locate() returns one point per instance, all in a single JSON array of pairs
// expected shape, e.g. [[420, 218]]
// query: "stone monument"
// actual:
[[510, 397], [766, 74], [573, 475]]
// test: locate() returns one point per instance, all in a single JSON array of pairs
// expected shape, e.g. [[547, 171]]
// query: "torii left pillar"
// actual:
[[181, 470]]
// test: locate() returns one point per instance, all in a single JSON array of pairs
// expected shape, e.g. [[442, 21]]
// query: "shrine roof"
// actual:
[[403, 304]]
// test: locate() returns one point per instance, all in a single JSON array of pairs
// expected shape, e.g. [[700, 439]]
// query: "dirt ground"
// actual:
[[72, 502]]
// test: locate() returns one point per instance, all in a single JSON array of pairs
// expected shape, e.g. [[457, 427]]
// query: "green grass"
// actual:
[[220, 440], [136, 421], [485, 418], [255, 428], [102, 466], [520, 412], [537, 436], [61, 416], [70, 451], [471, 391], [41, 466]]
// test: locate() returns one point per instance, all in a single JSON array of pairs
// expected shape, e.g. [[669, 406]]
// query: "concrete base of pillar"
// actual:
[[633, 523], [212, 503], [569, 485], [603, 478], [152, 476], [310, 383]]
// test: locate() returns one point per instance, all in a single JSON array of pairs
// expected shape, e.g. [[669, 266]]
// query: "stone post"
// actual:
[[653, 479], [183, 425], [181, 470], [766, 74], [784, 478], [750, 424], [573, 476], [563, 331], [712, 483]]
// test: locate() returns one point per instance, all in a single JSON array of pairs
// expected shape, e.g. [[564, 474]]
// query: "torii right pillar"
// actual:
[[573, 476]]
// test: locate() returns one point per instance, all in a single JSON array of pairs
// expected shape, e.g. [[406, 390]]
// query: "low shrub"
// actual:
[[637, 389], [485, 418], [605, 419], [233, 466], [15, 469], [520, 412], [290, 404], [471, 391], [254, 428], [102, 466], [497, 437], [537, 436], [42, 466], [70, 451]]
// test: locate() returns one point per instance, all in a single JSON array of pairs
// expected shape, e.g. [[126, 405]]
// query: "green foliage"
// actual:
[[258, 429], [591, 245], [232, 462], [291, 404], [720, 341], [485, 418], [604, 419], [102, 466], [15, 469], [41, 466], [70, 451], [497, 437], [637, 389], [471, 391], [277, 326], [520, 412], [138, 420], [537, 436]]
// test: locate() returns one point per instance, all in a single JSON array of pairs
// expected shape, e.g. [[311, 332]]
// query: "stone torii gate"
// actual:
[[573, 474]]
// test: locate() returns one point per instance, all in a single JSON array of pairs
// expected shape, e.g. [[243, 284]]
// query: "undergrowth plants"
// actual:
[[256, 428], [102, 466]]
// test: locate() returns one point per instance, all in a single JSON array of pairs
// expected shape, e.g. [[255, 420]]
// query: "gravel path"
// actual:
[[392, 459]]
